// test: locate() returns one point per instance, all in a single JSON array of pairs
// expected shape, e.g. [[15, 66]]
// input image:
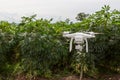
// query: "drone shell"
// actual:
[[78, 34]]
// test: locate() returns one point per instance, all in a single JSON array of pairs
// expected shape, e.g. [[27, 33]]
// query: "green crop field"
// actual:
[[36, 47]]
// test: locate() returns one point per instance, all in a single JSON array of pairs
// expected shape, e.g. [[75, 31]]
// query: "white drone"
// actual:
[[79, 39]]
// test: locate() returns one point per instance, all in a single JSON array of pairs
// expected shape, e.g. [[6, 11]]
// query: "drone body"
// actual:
[[79, 39]]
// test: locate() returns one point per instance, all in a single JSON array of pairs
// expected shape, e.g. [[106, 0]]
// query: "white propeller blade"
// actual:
[[93, 33]]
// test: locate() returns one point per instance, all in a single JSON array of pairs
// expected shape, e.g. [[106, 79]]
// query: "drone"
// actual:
[[79, 39]]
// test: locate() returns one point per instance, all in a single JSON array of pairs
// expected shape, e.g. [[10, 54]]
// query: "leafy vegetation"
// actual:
[[36, 47]]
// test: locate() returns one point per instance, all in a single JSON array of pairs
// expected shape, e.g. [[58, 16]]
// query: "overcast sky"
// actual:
[[12, 10]]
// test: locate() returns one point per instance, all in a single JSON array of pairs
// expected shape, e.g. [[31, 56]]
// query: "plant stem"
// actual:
[[81, 73]]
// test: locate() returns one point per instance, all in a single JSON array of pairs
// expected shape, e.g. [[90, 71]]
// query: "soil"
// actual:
[[101, 77]]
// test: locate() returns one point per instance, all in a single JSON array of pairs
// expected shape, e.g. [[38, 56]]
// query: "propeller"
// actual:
[[93, 33]]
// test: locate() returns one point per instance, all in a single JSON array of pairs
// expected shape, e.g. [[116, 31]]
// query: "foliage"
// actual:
[[106, 46], [81, 16], [36, 47]]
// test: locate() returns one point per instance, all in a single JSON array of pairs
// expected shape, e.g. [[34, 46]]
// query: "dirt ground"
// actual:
[[101, 77]]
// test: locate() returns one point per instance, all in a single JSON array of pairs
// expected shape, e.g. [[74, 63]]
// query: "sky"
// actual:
[[13, 10]]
